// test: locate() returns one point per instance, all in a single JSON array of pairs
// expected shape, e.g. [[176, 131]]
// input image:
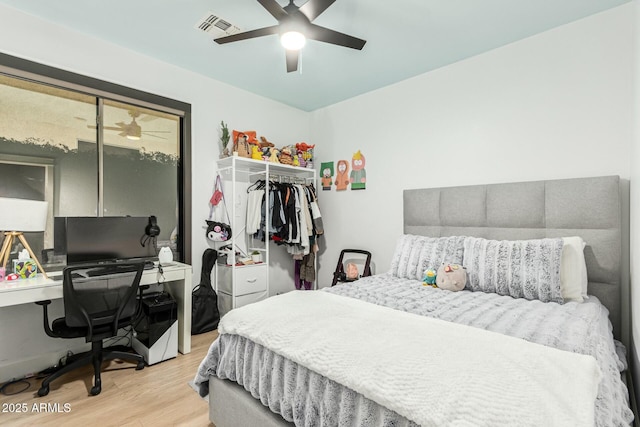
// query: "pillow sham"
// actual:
[[527, 269], [573, 269], [414, 254]]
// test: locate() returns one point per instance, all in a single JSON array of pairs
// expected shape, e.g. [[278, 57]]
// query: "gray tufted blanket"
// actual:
[[308, 399]]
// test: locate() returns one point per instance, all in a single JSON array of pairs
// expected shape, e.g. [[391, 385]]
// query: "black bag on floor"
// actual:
[[204, 309]]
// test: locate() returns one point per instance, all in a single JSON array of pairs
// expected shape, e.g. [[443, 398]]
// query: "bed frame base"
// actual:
[[230, 405]]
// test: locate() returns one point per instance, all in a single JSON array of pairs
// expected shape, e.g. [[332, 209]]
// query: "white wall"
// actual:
[[555, 105], [30, 38]]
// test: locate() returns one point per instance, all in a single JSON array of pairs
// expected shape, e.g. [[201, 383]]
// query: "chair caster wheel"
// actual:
[[96, 390], [140, 366], [43, 391]]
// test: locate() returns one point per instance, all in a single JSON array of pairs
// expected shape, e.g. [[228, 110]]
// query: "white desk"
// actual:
[[177, 281]]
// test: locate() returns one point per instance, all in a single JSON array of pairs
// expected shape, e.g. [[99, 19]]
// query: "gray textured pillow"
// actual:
[[527, 269], [414, 254]]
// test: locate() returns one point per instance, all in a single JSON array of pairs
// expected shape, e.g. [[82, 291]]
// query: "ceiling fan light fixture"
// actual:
[[293, 40], [134, 131]]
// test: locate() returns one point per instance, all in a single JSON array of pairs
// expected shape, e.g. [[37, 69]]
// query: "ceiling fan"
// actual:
[[294, 26], [133, 130]]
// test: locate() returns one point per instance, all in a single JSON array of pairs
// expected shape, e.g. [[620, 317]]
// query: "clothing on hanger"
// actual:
[[294, 221]]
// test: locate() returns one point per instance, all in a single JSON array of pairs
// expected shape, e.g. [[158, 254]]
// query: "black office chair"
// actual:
[[95, 308]]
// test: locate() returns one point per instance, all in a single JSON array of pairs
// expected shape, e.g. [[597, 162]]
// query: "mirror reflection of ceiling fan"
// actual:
[[133, 130]]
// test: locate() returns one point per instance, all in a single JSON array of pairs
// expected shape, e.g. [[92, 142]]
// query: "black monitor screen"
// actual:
[[90, 239]]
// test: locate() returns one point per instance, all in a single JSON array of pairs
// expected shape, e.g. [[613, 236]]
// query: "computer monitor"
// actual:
[[95, 239]]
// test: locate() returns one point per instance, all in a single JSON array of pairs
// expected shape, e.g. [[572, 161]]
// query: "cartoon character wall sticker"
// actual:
[[342, 177], [358, 173], [357, 178], [326, 174]]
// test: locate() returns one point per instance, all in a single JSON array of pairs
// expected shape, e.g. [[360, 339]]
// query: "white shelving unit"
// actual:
[[238, 285]]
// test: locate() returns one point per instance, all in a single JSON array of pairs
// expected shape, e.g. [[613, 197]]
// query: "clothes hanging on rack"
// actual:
[[304, 272], [254, 210], [294, 215]]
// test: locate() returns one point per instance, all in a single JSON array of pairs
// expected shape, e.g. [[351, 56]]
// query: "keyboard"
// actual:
[[115, 269]]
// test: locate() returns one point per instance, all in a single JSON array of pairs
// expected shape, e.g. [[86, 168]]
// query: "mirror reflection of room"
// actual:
[[87, 157]]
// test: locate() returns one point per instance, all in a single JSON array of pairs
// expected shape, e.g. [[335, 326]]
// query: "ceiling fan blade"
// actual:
[[292, 59], [156, 131], [105, 127], [147, 118], [155, 136], [248, 35], [322, 34], [313, 8], [274, 9]]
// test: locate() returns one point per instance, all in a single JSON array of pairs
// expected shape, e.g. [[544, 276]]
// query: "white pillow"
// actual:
[[573, 269]]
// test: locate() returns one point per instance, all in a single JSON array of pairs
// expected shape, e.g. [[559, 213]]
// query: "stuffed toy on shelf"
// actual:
[[286, 158], [256, 153], [242, 142]]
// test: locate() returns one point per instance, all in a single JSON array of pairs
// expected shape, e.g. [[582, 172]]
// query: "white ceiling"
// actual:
[[404, 38]]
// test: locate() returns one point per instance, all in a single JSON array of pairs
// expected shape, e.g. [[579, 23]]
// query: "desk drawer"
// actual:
[[248, 279]]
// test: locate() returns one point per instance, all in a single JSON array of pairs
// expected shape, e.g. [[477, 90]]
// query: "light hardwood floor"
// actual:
[[158, 395]]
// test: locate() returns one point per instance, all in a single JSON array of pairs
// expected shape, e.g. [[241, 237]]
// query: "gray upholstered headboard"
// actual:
[[586, 207]]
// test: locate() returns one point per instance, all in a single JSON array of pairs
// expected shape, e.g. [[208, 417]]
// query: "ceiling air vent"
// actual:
[[216, 26]]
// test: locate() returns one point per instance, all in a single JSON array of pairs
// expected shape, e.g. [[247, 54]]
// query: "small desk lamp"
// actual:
[[16, 217]]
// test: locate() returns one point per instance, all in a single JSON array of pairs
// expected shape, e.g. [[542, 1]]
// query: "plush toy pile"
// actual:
[[245, 144], [451, 277]]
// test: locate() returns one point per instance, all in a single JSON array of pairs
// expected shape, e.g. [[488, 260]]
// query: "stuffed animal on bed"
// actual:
[[429, 278], [451, 277]]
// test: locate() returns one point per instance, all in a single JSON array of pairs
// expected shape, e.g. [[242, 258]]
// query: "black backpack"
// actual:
[[204, 309]]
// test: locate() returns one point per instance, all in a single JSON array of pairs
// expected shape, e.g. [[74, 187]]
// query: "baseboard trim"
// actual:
[[30, 366]]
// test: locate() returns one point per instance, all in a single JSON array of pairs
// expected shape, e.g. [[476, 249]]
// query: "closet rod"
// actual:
[[289, 179]]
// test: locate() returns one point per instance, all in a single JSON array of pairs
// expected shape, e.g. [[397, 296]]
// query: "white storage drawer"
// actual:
[[248, 299], [224, 301], [249, 279]]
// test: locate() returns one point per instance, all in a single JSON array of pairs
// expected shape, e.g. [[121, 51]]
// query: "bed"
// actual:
[[387, 350]]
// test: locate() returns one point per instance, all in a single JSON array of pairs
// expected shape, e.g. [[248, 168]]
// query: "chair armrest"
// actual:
[[47, 328]]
